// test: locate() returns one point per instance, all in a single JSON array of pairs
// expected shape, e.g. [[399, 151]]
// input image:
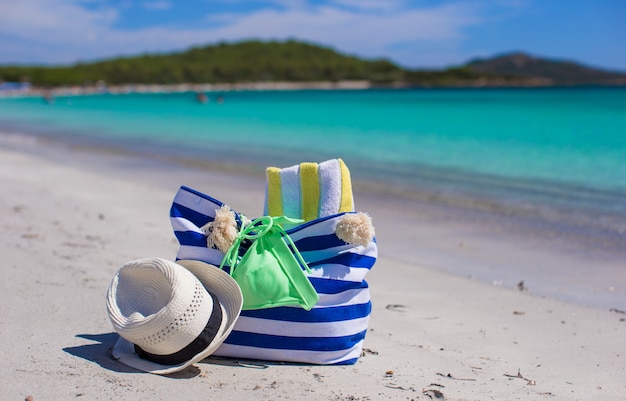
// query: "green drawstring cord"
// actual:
[[256, 229]]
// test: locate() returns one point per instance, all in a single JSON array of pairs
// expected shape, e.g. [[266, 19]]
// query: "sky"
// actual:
[[420, 34]]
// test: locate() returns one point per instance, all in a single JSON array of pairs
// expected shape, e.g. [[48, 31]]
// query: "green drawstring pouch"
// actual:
[[270, 272]]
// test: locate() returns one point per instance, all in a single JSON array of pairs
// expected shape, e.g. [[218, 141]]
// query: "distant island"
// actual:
[[294, 64]]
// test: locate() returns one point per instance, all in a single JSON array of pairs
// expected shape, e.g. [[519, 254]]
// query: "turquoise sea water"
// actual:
[[564, 147]]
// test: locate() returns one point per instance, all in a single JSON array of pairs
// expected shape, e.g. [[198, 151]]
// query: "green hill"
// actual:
[[249, 61], [294, 61], [556, 71]]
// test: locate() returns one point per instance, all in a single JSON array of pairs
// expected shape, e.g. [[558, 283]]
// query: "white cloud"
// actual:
[[54, 21], [354, 32], [66, 31], [370, 4], [157, 5]]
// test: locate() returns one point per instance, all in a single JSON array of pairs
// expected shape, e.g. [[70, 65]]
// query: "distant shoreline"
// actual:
[[288, 86]]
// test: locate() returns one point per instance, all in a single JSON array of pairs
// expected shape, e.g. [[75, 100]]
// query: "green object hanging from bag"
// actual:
[[270, 272]]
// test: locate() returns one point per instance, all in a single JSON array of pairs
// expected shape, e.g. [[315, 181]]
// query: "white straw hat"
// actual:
[[170, 315]]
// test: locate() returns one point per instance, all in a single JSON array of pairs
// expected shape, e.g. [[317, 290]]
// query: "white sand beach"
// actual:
[[71, 218]]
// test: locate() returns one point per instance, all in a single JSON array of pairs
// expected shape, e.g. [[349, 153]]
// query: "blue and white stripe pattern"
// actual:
[[333, 331]]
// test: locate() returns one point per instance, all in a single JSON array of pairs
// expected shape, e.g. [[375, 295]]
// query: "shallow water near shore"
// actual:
[[556, 152], [539, 164], [572, 136]]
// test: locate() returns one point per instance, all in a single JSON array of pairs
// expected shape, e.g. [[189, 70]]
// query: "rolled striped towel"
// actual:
[[333, 331], [309, 190]]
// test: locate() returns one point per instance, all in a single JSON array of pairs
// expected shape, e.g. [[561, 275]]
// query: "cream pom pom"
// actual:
[[222, 231], [355, 228]]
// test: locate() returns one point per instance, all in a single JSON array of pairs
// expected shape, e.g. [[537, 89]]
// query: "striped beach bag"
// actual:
[[333, 331]]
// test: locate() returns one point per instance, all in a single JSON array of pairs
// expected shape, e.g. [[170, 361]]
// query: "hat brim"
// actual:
[[228, 294]]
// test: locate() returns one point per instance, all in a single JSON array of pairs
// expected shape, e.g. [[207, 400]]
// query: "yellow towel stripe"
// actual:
[[274, 192], [310, 187], [347, 203]]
